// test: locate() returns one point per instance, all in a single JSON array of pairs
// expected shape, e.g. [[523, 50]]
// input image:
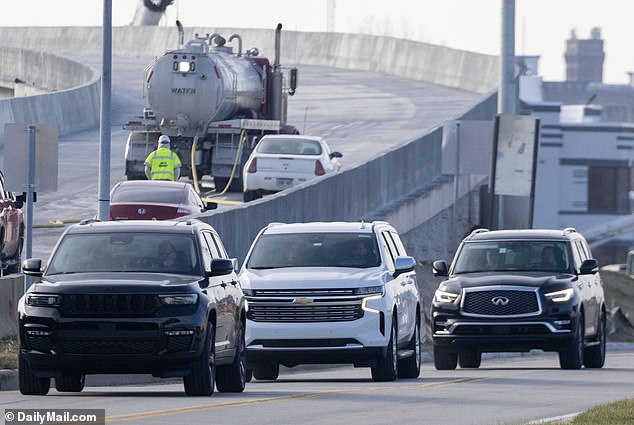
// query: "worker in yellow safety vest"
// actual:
[[163, 164]]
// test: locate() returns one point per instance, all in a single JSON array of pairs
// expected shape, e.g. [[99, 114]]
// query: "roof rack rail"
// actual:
[[569, 230], [89, 221], [479, 230]]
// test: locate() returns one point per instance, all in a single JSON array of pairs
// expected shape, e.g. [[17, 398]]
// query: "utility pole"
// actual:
[[105, 136]]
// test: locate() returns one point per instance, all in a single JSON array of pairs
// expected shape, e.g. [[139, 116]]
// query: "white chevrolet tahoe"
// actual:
[[329, 293]]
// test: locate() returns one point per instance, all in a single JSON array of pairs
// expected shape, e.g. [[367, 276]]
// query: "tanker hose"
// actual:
[[243, 136], [193, 163]]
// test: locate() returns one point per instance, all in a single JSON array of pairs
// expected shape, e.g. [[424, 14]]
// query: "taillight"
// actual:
[[253, 166], [182, 212], [319, 169]]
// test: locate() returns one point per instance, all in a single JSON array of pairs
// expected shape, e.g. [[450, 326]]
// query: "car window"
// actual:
[[127, 252], [213, 247], [391, 249], [552, 256], [357, 250], [143, 194], [289, 146], [221, 249]]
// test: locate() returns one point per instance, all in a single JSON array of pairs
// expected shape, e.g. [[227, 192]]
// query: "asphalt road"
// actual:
[[511, 390], [361, 114]]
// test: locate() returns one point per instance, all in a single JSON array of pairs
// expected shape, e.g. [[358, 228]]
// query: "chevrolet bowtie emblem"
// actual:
[[302, 301]]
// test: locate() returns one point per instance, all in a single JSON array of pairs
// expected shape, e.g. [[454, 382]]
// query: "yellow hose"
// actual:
[[243, 135], [193, 163]]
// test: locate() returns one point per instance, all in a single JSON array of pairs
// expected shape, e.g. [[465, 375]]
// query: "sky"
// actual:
[[541, 26]]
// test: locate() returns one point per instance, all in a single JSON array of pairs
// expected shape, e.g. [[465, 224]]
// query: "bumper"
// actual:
[[360, 342], [270, 182]]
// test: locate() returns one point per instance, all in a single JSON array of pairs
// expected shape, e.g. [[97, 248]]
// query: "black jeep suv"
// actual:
[[155, 297], [517, 290]]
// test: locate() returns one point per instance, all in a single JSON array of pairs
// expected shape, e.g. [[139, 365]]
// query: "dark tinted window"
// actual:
[[315, 250], [289, 146], [145, 194], [125, 252]]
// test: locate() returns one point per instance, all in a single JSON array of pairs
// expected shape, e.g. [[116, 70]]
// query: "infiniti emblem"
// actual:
[[142, 211], [499, 301]]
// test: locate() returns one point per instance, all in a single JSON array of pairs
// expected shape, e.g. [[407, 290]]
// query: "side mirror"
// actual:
[[439, 268], [32, 267], [403, 265], [221, 267], [210, 206], [590, 266], [335, 154], [293, 82]]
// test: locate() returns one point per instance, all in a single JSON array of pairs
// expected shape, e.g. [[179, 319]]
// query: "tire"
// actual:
[[201, 380], [594, 356], [572, 356], [232, 378], [470, 359], [386, 368], [248, 375], [29, 383], [266, 372], [250, 195], [70, 383], [409, 367], [444, 360]]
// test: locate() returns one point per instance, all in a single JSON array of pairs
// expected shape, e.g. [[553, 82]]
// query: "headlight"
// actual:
[[560, 296], [179, 299], [370, 290], [444, 297], [43, 300]]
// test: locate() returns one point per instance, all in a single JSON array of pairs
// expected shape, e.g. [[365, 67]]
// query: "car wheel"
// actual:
[[266, 372], [248, 375], [469, 359], [70, 383], [29, 383], [594, 356], [444, 360], [232, 378], [386, 368], [201, 379], [409, 367], [250, 195], [572, 356]]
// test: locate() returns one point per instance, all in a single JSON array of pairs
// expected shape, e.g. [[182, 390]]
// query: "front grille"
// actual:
[[501, 330], [177, 343], [501, 302], [39, 343], [325, 305], [139, 346], [109, 305]]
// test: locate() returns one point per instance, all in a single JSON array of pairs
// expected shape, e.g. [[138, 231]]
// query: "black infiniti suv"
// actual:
[[517, 290], [154, 297]]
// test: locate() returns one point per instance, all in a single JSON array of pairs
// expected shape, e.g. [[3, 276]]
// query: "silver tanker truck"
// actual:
[[214, 104]]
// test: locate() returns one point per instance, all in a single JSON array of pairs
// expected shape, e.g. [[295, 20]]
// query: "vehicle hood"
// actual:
[[312, 278], [530, 279], [93, 283]]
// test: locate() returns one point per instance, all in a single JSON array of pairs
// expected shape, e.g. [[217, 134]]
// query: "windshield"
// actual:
[[145, 194], [125, 252], [289, 146], [357, 250], [551, 256]]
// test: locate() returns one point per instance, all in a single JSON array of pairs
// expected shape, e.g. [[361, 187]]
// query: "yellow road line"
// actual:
[[302, 396]]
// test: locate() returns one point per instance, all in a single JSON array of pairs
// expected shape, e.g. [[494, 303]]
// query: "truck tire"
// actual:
[[572, 356], [469, 359], [386, 368], [201, 380], [266, 372], [409, 367], [232, 378], [594, 356], [444, 360], [28, 382], [72, 383]]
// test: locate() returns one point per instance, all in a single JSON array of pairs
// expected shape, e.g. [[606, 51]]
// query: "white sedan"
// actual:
[[282, 161]]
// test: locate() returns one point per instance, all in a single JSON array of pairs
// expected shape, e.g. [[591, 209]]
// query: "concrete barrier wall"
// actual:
[[73, 101], [11, 289]]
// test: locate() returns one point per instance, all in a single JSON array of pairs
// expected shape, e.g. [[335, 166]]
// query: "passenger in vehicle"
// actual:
[[171, 259], [552, 258], [491, 259]]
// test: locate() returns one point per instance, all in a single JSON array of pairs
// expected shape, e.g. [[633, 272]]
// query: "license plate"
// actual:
[[284, 182]]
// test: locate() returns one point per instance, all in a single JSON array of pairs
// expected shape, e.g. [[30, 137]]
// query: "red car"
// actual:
[[11, 230], [154, 200]]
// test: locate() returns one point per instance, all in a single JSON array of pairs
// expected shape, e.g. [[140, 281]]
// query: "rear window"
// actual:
[[145, 194], [358, 250], [289, 146], [125, 252]]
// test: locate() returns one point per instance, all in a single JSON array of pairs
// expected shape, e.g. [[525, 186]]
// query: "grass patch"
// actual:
[[9, 352], [617, 413]]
